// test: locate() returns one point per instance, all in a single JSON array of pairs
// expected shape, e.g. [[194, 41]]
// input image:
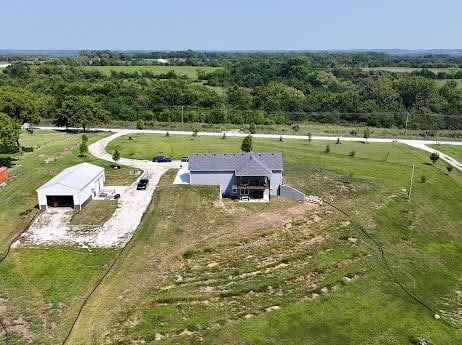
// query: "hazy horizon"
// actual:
[[237, 26]]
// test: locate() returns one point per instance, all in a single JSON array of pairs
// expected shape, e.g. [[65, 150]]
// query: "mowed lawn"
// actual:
[[230, 273], [188, 71], [41, 287], [455, 151]]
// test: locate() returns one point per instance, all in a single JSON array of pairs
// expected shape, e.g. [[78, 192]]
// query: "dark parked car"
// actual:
[[161, 159], [142, 184]]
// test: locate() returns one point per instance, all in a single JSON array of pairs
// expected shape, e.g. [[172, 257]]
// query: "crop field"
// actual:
[[188, 71]]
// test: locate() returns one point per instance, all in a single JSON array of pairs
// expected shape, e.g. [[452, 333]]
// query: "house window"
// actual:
[[244, 191]]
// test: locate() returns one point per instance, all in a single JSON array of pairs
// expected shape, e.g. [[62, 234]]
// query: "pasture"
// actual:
[[409, 69], [281, 273], [188, 71], [41, 287], [203, 271]]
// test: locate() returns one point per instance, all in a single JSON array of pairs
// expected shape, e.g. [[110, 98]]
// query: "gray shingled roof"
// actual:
[[243, 164]]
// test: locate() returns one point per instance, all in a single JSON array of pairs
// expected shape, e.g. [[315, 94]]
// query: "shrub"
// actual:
[[224, 136], [423, 179], [434, 157], [253, 128], [140, 124], [449, 168], [352, 153], [309, 136], [247, 145], [167, 134], [327, 149]]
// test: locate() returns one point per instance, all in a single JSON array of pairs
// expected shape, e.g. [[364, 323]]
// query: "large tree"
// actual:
[[9, 132], [21, 105], [80, 111]]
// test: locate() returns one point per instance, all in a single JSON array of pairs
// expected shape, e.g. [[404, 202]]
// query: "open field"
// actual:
[[188, 71], [285, 273], [451, 150], [408, 69], [441, 82], [41, 287]]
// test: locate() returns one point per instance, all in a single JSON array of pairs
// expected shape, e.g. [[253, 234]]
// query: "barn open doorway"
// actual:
[[60, 201]]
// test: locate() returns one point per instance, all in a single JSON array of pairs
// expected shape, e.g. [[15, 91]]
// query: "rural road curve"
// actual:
[[99, 150]]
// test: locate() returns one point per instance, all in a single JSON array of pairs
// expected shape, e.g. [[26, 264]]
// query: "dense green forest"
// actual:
[[264, 88]]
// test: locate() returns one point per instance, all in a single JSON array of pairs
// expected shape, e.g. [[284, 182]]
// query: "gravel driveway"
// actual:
[[52, 226]]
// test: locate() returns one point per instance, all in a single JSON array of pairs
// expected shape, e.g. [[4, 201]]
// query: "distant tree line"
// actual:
[[272, 88]]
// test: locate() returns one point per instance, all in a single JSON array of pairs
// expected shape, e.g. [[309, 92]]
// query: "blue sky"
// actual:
[[230, 25]]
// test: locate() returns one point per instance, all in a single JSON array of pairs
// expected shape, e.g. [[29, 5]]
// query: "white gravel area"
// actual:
[[52, 226]]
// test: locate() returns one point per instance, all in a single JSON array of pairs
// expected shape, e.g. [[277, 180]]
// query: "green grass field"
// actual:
[[41, 287], [455, 151], [233, 273], [189, 71], [408, 69]]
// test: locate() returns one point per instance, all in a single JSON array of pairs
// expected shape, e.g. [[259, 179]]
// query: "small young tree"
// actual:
[[224, 136], [327, 149], [352, 153], [449, 168], [309, 136], [338, 141], [116, 156], [367, 133], [253, 128], [195, 130], [83, 149], [247, 145], [84, 138], [140, 124], [423, 179], [167, 134], [280, 138], [434, 157]]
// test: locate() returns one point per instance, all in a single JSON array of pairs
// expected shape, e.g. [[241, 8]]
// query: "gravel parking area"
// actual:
[[52, 226]]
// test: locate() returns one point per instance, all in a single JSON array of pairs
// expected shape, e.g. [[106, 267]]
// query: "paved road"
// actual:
[[420, 144]]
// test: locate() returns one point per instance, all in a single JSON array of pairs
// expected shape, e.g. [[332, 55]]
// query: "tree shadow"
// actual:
[[7, 162]]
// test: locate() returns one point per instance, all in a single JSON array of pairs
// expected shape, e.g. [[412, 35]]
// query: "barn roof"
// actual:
[[76, 177], [243, 164]]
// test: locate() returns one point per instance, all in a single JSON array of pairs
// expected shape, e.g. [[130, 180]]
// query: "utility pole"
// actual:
[[182, 110], [410, 182]]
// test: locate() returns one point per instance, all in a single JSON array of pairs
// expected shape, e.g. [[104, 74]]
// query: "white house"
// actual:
[[72, 187], [4, 64]]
